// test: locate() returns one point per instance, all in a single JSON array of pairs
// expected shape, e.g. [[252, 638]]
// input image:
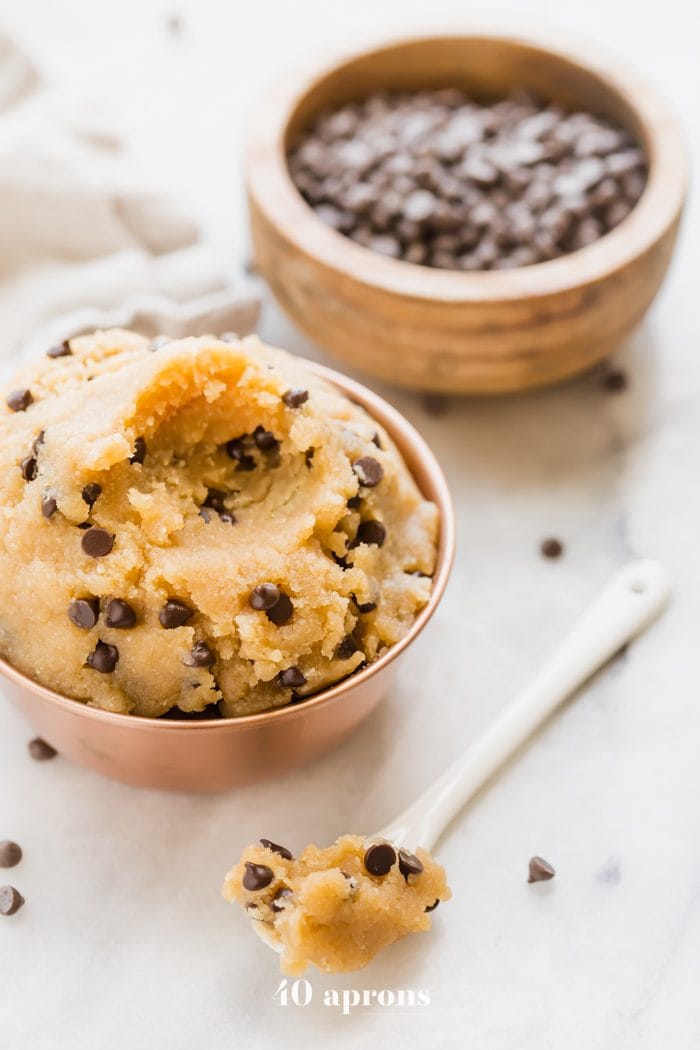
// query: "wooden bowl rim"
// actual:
[[404, 435], [271, 187]]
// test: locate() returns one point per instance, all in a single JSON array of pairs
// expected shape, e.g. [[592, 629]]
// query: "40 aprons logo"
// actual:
[[300, 993]]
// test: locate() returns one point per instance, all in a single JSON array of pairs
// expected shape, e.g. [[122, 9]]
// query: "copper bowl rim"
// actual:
[[402, 433], [658, 207]]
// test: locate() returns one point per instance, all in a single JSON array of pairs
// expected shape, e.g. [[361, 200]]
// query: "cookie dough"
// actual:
[[199, 525], [335, 908]]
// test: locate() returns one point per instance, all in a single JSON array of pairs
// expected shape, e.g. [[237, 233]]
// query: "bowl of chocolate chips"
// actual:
[[478, 214]]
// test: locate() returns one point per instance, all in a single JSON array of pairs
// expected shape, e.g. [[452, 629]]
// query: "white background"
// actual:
[[124, 941]]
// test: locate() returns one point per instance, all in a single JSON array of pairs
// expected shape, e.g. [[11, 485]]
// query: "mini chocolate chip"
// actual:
[[371, 532], [409, 864], [48, 506], [11, 900], [20, 400], [227, 518], [540, 870], [60, 350], [246, 464], [83, 612], [236, 448], [281, 611], [200, 655], [295, 398], [282, 850], [346, 648], [552, 548], [283, 891], [364, 607], [97, 542], [354, 502], [40, 751], [119, 614], [103, 658], [433, 906], [215, 499], [380, 858], [376, 440], [265, 439], [91, 492], [28, 468], [615, 381], [369, 471], [309, 457], [38, 442], [339, 560], [291, 678], [257, 876], [205, 514], [175, 614], [10, 854], [139, 451], [84, 525], [264, 596]]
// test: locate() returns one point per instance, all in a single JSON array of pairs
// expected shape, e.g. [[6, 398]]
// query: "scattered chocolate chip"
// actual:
[[339, 560], [83, 612], [291, 678], [175, 614], [309, 457], [364, 607], [28, 468], [38, 442], [433, 906], [295, 398], [380, 858], [91, 492], [60, 350], [40, 751], [540, 870], [236, 448], [10, 854], [354, 503], [211, 711], [371, 532], [345, 649], [139, 453], [282, 850], [97, 542], [119, 614], [11, 900], [369, 471], [257, 876], [264, 596], [20, 400], [245, 464], [205, 514], [48, 506], [227, 518], [615, 381], [215, 499], [103, 658], [84, 525], [281, 612], [552, 548], [409, 864], [283, 891], [376, 440], [265, 439], [200, 655]]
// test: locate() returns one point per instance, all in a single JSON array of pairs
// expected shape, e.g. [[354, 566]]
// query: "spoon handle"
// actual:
[[630, 601]]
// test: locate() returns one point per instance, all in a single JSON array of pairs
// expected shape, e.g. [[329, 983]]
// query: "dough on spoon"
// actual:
[[199, 522], [335, 908]]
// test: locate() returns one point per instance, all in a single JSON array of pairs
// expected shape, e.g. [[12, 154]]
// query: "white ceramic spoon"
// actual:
[[629, 603]]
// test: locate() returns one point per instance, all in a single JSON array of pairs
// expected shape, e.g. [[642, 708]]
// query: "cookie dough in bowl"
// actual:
[[200, 523]]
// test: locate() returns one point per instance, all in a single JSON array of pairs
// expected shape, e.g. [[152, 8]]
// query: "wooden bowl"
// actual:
[[214, 754], [479, 333]]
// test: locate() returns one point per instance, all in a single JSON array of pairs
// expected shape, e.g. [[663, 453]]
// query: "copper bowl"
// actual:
[[212, 755]]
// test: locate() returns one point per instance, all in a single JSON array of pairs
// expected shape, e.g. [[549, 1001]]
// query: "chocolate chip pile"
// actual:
[[435, 178]]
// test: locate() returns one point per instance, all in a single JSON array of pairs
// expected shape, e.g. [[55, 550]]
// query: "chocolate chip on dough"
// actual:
[[83, 612], [264, 596], [28, 468], [409, 864], [200, 655], [282, 850], [295, 398], [278, 895], [281, 612], [60, 350], [257, 876], [48, 506], [119, 614], [139, 453], [371, 532], [380, 858], [20, 400], [345, 649], [265, 439], [175, 614], [97, 542], [291, 678], [369, 471], [91, 492], [433, 906], [11, 900], [103, 658]]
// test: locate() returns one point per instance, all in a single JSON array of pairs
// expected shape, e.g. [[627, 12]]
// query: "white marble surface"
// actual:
[[124, 941]]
